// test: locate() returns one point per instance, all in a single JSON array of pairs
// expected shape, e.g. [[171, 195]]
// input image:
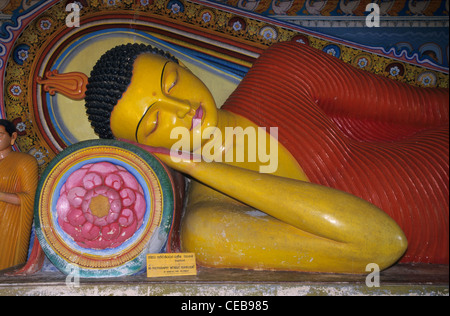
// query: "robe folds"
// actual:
[[374, 137], [19, 175]]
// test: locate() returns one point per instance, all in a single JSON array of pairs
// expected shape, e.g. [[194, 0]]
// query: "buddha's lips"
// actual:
[[197, 118]]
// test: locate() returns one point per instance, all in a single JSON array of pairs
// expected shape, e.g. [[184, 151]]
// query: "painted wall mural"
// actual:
[[417, 29], [339, 8], [35, 39]]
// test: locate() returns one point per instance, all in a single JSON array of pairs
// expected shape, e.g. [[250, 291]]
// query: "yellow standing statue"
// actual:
[[18, 182], [239, 215]]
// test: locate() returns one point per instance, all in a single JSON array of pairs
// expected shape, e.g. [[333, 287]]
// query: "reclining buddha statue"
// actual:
[[361, 160]]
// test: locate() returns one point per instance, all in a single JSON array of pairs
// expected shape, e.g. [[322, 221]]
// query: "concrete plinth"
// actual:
[[402, 279]]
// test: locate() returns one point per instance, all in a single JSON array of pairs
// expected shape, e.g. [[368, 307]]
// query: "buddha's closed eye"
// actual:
[[171, 81]]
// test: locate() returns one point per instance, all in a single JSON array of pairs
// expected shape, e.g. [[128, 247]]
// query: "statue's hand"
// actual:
[[183, 162]]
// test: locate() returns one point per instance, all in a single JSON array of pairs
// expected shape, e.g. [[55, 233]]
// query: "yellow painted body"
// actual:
[[241, 218]]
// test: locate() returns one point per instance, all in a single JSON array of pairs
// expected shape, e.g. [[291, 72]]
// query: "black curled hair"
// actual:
[[10, 128], [109, 79]]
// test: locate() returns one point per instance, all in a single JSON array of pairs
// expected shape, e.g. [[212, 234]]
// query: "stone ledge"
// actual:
[[402, 279]]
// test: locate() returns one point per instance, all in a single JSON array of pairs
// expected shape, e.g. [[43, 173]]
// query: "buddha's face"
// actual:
[[162, 95]]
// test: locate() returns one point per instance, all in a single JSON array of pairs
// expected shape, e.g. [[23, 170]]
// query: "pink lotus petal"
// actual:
[[112, 217], [114, 181], [75, 196], [89, 217], [112, 194], [87, 201], [103, 168], [90, 231], [92, 180], [126, 233], [63, 189], [101, 190], [75, 179], [116, 206], [129, 180], [72, 231], [128, 197], [63, 206], [111, 232], [76, 217], [126, 218], [140, 206], [100, 221]]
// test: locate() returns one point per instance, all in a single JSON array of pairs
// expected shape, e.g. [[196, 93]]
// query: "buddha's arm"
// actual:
[[9, 198], [318, 210]]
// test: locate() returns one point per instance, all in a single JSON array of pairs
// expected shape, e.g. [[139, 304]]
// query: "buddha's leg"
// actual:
[[236, 236]]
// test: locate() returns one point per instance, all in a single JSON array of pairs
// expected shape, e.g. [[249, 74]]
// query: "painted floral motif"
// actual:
[[39, 155], [21, 53], [237, 24], [427, 79], [332, 50], [21, 127], [45, 24], [268, 33], [206, 17], [16, 90], [394, 71], [101, 205], [175, 6], [362, 62], [302, 39]]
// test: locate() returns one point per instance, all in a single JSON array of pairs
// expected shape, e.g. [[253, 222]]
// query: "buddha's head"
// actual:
[[140, 93]]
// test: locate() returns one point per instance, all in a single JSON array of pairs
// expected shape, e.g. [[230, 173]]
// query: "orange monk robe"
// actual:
[[19, 175]]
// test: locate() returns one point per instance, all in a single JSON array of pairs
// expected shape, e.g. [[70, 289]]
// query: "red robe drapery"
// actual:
[[379, 139]]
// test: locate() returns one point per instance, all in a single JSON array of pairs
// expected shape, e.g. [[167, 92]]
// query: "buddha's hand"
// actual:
[[183, 162], [180, 161]]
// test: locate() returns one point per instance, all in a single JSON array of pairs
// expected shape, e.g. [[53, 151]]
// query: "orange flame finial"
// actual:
[[71, 84]]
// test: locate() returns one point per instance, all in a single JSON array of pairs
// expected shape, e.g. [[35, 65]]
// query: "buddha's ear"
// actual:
[[13, 138]]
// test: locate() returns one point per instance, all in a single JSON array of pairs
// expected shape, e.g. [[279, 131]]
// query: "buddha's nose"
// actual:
[[180, 107]]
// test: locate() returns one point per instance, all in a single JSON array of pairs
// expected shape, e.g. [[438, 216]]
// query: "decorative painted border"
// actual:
[[284, 23], [339, 8]]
